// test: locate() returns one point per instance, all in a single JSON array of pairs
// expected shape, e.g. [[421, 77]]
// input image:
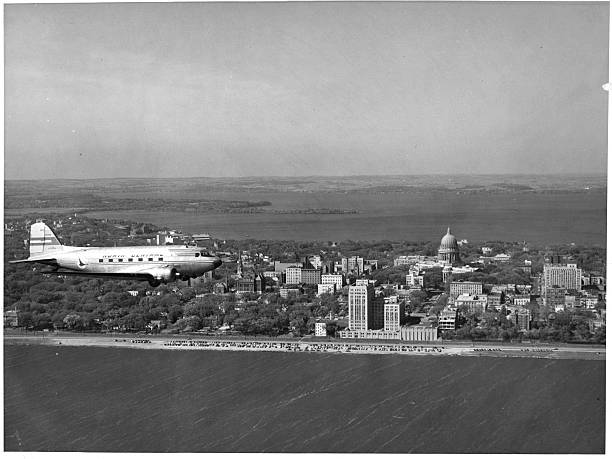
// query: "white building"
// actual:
[[287, 292], [325, 288], [352, 264], [370, 334], [364, 310], [371, 282], [521, 300], [336, 279], [565, 276], [404, 260], [447, 319], [293, 275], [419, 333], [471, 288], [394, 313], [320, 329], [589, 301], [475, 304], [415, 279], [316, 261]]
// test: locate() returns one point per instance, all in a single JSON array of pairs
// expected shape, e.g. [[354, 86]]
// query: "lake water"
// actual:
[[109, 399], [557, 218]]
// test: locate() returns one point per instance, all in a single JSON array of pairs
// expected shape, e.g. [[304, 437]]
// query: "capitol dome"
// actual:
[[449, 249], [449, 241]]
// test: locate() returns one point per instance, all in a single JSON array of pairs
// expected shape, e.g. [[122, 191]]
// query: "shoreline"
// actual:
[[561, 351]]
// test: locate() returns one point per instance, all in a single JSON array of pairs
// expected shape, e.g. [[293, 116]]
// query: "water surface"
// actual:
[[110, 399]]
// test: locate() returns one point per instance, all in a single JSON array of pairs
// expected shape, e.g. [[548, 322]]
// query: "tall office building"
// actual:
[[352, 264], [293, 275], [310, 276], [394, 313], [365, 310], [565, 276]]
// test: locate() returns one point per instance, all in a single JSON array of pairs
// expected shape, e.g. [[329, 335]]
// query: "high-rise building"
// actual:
[[394, 314], [565, 276], [293, 275], [310, 276], [352, 265], [365, 310]]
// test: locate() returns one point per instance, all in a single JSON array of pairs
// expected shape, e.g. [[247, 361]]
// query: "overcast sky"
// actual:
[[240, 89]]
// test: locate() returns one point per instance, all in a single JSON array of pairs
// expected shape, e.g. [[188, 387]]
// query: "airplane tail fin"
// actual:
[[43, 239]]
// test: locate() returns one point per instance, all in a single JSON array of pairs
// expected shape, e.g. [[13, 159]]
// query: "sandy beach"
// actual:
[[561, 351]]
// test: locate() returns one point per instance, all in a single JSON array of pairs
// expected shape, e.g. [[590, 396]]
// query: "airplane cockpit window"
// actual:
[[204, 253]]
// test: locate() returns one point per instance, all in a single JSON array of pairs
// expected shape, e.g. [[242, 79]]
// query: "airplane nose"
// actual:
[[217, 263]]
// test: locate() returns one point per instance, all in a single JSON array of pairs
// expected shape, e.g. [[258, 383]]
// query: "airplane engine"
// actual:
[[163, 274]]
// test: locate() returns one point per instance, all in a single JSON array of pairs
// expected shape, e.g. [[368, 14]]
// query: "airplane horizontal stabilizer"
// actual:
[[37, 260]]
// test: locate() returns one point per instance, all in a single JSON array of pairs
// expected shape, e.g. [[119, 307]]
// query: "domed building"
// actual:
[[449, 249]]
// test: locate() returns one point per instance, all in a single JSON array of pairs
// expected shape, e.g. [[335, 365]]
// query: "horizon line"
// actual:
[[562, 174]]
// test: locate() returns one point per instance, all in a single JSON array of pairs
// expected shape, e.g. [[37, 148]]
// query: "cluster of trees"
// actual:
[[496, 274], [564, 327], [47, 301]]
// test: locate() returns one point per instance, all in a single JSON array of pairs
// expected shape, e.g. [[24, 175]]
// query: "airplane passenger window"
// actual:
[[120, 260], [160, 259], [130, 259], [150, 259], [140, 259], [110, 260], [197, 255], [100, 260]]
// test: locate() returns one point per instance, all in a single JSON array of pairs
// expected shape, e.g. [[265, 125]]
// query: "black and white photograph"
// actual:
[[305, 227]]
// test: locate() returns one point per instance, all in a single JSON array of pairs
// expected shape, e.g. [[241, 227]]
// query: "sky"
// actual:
[[296, 89]]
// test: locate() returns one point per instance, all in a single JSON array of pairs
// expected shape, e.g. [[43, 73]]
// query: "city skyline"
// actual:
[[302, 89]]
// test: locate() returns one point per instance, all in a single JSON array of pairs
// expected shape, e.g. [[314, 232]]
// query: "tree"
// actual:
[[416, 300], [42, 321], [189, 323], [73, 321], [25, 319], [600, 335]]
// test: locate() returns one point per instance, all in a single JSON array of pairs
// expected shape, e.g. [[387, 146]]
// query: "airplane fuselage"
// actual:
[[161, 263]]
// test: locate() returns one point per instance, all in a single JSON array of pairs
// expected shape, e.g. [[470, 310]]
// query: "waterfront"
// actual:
[[310, 345], [112, 399]]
